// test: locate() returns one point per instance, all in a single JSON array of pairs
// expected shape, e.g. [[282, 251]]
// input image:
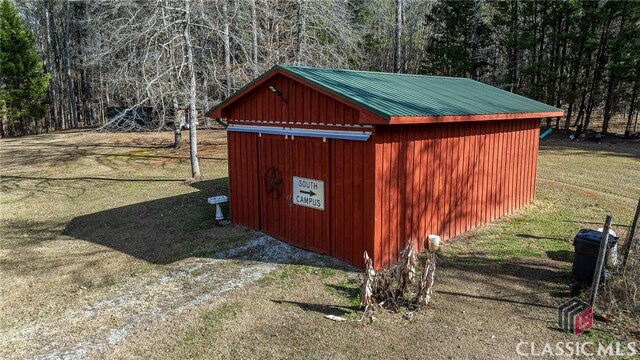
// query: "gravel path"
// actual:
[[102, 321]]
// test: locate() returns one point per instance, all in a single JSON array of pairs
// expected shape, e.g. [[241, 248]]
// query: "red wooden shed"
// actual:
[[340, 161]]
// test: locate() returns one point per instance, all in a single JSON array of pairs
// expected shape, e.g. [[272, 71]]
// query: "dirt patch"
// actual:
[[481, 309], [105, 319]]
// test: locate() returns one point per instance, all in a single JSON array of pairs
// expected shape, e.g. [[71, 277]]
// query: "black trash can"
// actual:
[[587, 245]]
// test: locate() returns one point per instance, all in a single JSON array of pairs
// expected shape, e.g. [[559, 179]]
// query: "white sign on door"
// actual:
[[308, 192]]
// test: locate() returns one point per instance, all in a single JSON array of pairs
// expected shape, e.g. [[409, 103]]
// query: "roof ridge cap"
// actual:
[[285, 66]]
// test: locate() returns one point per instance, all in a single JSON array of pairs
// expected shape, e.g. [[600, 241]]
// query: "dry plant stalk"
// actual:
[[621, 296], [385, 292], [425, 286], [366, 293], [406, 268], [395, 287]]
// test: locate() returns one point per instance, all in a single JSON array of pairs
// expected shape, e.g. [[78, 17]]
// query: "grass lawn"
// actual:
[[103, 244]]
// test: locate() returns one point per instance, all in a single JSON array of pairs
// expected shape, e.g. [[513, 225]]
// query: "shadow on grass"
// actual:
[[527, 282], [164, 230], [170, 229], [536, 237], [98, 178], [323, 309], [596, 225], [560, 255], [493, 298], [131, 156], [109, 145], [346, 291]]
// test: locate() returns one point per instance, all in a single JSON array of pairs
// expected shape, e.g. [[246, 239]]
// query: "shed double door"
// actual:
[[280, 159]]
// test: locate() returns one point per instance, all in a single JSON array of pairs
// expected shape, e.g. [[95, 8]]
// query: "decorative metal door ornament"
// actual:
[[273, 182]]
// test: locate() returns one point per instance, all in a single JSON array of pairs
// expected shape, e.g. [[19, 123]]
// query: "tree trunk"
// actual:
[[585, 28], [398, 34], [227, 47], [513, 47], [560, 93], [634, 96], [53, 113], [177, 124], [612, 82], [67, 63], [300, 31], [590, 25], [608, 105], [193, 116], [600, 62], [583, 101], [474, 40], [254, 39], [540, 95], [57, 100]]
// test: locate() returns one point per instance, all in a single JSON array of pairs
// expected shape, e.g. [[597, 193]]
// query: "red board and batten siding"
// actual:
[[303, 157], [350, 168], [299, 104], [407, 181], [351, 190], [349, 197], [244, 179], [448, 178]]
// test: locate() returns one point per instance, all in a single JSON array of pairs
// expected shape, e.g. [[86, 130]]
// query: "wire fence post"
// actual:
[[604, 244], [632, 233]]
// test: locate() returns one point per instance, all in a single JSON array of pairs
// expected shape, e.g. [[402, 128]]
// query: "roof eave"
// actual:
[[369, 115], [216, 110], [372, 115], [397, 120]]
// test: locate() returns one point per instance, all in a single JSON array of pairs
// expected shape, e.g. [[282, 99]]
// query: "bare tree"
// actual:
[[226, 38], [300, 29], [130, 54], [397, 45], [193, 115], [474, 40], [254, 37], [67, 65]]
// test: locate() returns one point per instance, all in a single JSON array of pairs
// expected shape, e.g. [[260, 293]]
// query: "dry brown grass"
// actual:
[[88, 218], [617, 125], [621, 295], [82, 212]]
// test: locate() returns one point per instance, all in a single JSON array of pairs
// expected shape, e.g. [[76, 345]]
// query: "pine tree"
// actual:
[[623, 59], [23, 84], [460, 34]]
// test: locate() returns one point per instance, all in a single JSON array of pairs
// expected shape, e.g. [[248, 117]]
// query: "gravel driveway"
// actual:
[[104, 320]]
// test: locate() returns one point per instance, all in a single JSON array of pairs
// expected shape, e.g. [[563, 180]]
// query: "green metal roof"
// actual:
[[390, 94]]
